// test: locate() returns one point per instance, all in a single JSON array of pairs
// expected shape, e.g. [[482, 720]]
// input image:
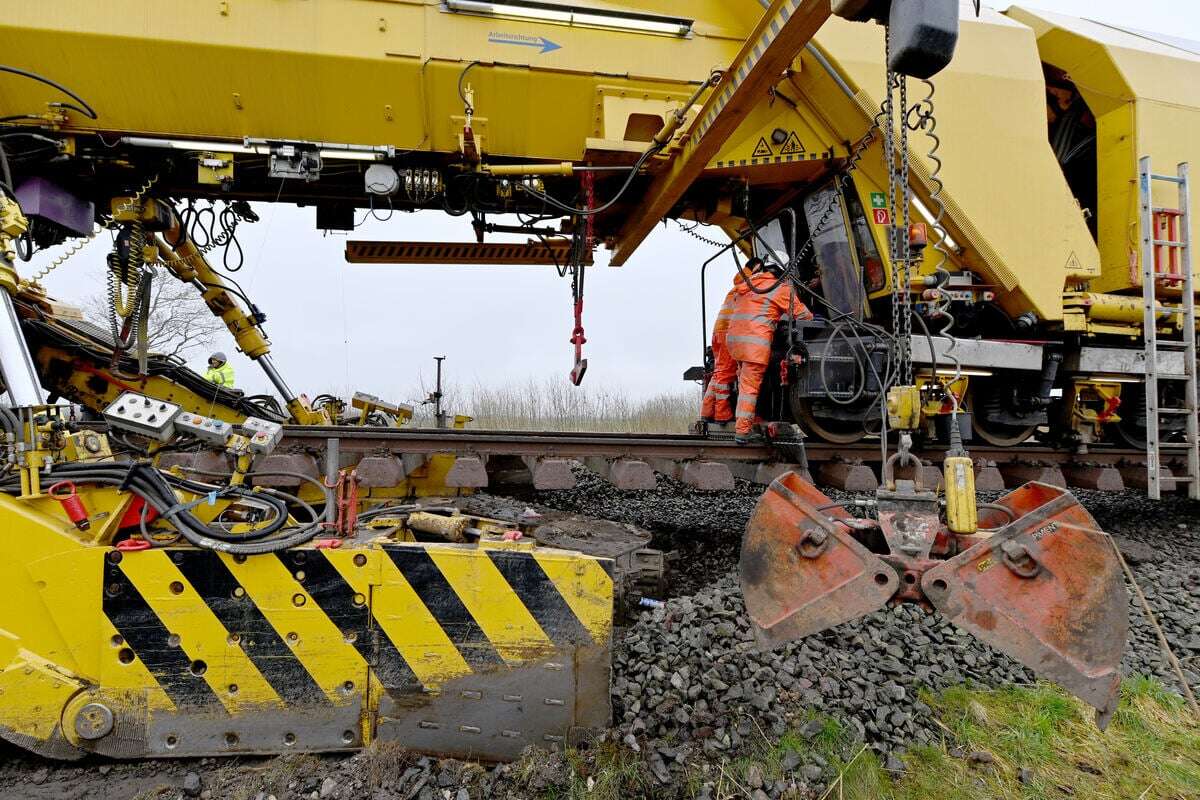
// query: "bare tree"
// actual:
[[180, 323]]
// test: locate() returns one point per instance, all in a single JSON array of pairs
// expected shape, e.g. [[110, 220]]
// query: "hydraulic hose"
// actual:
[[11, 424], [82, 108], [155, 489]]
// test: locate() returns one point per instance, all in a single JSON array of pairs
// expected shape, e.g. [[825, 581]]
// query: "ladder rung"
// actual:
[[1173, 345], [1165, 210], [1173, 376], [1169, 309], [1169, 243], [1176, 411], [1178, 276], [1177, 478], [1168, 178]]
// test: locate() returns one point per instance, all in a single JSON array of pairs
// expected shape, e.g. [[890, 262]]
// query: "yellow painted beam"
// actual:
[[778, 38]]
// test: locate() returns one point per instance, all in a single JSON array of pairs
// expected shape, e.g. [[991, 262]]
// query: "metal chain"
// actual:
[[853, 158], [899, 199], [905, 288], [889, 157]]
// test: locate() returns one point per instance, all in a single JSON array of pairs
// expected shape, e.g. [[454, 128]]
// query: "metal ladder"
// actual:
[[1168, 258]]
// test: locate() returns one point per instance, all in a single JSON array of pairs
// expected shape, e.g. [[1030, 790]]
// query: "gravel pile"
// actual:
[[690, 681]]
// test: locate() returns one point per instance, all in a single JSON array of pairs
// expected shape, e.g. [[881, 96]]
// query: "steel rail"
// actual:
[[530, 443], [665, 446]]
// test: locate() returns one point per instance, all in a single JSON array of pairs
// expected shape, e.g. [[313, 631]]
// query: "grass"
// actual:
[[603, 772], [552, 404], [1151, 751]]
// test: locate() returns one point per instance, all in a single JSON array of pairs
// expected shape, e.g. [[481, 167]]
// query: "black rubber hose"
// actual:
[[270, 474], [9, 420], [151, 486], [86, 109]]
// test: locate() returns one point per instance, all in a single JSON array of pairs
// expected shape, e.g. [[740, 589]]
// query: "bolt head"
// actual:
[[94, 721]]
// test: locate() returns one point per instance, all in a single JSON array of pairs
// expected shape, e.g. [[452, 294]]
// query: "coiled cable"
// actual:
[[921, 118]]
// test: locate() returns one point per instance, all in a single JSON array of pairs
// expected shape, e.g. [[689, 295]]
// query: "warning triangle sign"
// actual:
[[763, 149], [792, 146], [1073, 264]]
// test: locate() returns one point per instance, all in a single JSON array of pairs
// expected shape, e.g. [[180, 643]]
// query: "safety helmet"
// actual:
[[218, 356]]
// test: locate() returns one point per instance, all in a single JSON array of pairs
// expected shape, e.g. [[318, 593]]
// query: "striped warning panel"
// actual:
[[771, 160], [194, 631]]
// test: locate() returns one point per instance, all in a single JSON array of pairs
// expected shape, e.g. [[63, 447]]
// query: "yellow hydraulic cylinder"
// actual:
[[186, 261], [563, 168], [961, 514], [1116, 308]]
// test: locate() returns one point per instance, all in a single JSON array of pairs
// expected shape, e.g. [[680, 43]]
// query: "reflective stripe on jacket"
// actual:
[[721, 324], [755, 317]]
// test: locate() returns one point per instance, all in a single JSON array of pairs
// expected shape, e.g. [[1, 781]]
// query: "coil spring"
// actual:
[[76, 245], [692, 232], [921, 118], [127, 273], [126, 306], [140, 192]]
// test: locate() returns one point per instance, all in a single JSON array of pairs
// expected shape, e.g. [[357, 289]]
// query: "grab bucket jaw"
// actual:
[[1040, 583]]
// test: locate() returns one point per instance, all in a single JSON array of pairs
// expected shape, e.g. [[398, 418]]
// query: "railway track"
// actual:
[[632, 461]]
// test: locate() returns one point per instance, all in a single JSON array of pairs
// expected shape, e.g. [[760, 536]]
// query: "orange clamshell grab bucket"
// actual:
[[1040, 582]]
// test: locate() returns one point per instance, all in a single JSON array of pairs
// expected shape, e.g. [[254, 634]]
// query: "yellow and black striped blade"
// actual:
[[464, 650]]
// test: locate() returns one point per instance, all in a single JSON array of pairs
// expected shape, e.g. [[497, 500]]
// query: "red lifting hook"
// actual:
[[64, 492]]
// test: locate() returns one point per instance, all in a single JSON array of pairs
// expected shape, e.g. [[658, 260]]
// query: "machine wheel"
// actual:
[[1131, 430], [1128, 434], [825, 428], [983, 400]]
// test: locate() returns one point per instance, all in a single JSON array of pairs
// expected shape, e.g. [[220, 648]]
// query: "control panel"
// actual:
[[206, 429], [264, 435], [143, 415]]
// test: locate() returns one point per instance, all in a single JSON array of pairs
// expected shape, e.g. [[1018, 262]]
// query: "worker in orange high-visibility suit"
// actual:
[[715, 405], [761, 304]]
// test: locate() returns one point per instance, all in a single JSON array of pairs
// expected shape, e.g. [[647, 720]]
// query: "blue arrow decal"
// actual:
[[541, 42]]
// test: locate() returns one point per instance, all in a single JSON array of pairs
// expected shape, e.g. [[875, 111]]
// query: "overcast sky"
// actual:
[[336, 326]]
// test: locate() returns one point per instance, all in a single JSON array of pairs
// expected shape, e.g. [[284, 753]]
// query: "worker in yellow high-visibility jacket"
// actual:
[[220, 371]]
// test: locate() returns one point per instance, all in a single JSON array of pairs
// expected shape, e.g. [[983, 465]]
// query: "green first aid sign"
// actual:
[[878, 200]]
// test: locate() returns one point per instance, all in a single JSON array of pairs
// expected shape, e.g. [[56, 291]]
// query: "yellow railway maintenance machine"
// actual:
[[155, 615], [163, 612]]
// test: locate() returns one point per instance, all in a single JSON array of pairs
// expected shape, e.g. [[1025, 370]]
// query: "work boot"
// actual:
[[749, 438]]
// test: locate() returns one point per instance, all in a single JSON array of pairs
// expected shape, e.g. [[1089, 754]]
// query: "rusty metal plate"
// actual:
[[1047, 590], [801, 572]]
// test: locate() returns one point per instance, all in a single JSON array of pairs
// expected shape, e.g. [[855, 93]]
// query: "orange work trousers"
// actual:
[[715, 405], [750, 378]]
